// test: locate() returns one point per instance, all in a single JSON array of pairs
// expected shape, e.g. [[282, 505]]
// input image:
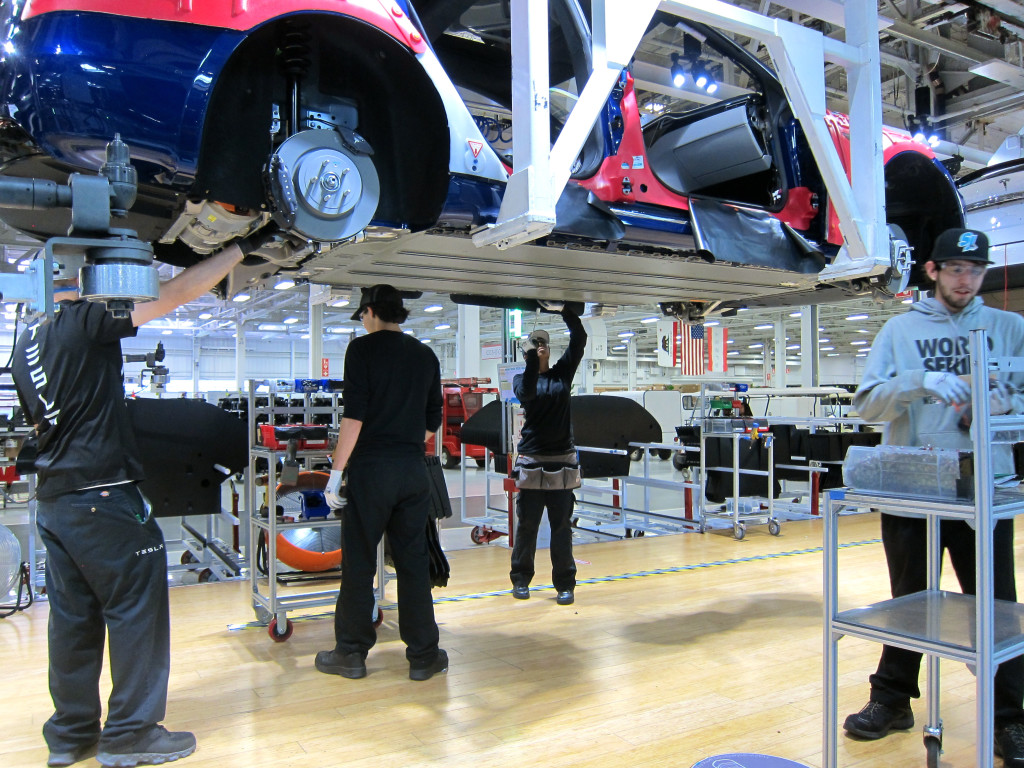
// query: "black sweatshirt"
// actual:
[[393, 386], [547, 428]]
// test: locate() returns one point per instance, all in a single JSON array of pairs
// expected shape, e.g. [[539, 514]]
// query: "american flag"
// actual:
[[692, 352]]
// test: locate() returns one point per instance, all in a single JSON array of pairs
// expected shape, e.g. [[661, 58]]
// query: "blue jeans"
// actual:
[[106, 573]]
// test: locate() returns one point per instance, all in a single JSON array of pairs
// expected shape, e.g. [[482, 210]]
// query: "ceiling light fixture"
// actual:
[[648, 320], [677, 72], [433, 308], [340, 303], [857, 317], [442, 327], [284, 284], [240, 298], [291, 320], [205, 316]]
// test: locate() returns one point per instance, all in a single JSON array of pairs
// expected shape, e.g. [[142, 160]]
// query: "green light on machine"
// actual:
[[515, 329]]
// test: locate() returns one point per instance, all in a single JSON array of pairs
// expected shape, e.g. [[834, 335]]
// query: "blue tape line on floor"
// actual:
[[595, 580]]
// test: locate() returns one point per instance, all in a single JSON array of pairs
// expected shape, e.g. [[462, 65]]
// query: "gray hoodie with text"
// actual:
[[931, 338]]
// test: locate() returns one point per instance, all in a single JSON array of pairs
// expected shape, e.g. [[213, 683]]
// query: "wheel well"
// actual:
[[923, 200], [342, 61]]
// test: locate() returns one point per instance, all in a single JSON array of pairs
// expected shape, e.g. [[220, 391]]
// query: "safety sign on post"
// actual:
[[325, 366]]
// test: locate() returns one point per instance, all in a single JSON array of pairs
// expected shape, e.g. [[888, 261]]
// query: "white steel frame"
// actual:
[[798, 53]]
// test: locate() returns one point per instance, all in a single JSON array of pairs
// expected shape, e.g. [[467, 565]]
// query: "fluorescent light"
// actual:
[[291, 320], [825, 349], [442, 327], [340, 303], [271, 327], [647, 320], [618, 348], [793, 346], [823, 341], [341, 330], [907, 301], [410, 333], [284, 284], [857, 343], [425, 341], [756, 346], [711, 322], [730, 354], [832, 354], [626, 334], [857, 317], [863, 330], [764, 326], [304, 336], [168, 332], [861, 354], [238, 298], [796, 314], [731, 341], [205, 315], [433, 308]]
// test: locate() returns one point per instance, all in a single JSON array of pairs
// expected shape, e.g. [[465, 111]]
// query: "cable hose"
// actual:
[[23, 582]]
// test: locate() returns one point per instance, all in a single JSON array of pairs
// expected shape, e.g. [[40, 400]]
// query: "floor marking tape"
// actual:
[[595, 580]]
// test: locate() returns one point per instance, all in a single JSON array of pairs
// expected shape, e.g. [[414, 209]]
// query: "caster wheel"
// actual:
[[477, 535], [638, 534], [933, 748], [702, 528], [275, 635], [774, 528], [739, 531], [679, 461], [263, 616], [187, 557], [636, 454], [379, 618], [205, 575]]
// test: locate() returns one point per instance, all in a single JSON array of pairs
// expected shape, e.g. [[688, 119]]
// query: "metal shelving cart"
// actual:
[[270, 603], [977, 630]]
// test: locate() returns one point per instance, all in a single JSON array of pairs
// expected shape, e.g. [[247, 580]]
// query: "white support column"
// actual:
[[316, 341], [780, 353], [467, 342], [195, 364], [240, 355], [631, 365], [810, 363]]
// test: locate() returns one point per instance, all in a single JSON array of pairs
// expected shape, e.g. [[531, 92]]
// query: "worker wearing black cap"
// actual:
[[546, 468], [914, 381], [392, 405]]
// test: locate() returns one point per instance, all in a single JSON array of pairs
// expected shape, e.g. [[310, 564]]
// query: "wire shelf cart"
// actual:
[[270, 602], [977, 630]]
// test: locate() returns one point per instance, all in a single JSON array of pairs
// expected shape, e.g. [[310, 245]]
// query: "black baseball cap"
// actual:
[[376, 295], [961, 245]]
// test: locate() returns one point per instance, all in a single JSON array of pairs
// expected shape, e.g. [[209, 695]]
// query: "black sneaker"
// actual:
[[876, 720], [520, 592], [439, 664], [70, 756], [350, 665], [156, 747], [1010, 744], [565, 597]]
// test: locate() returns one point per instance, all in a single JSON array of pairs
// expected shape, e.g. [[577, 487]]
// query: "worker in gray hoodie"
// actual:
[[916, 382]]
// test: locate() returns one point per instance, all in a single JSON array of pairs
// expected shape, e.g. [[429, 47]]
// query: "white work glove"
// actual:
[[332, 491], [946, 387], [1000, 398], [552, 306], [527, 345]]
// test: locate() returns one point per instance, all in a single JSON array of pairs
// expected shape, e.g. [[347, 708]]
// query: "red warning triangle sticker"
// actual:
[[475, 146]]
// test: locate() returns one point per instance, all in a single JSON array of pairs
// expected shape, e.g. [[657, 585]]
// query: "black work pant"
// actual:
[[905, 541], [386, 496], [106, 572], [529, 510]]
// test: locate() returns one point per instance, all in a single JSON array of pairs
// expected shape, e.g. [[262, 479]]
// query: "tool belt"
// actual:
[[554, 472]]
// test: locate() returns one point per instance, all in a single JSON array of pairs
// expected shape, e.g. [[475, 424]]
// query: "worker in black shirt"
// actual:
[[392, 406], [547, 469], [106, 567]]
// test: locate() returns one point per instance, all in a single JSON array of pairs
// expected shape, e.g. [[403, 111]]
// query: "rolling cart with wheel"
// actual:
[[977, 630], [270, 601], [741, 509]]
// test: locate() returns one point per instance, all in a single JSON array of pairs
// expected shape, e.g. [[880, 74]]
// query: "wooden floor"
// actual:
[[683, 647]]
